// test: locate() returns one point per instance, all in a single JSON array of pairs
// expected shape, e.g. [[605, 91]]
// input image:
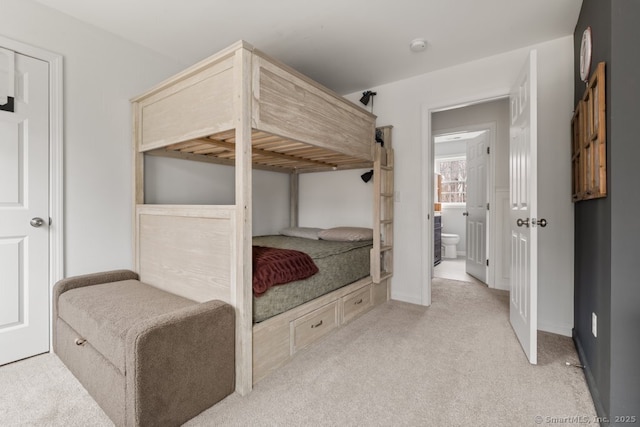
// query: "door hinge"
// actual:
[[50, 221], [487, 206], [488, 150], [487, 263]]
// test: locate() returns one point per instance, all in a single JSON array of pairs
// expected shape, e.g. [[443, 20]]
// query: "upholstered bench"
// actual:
[[147, 357]]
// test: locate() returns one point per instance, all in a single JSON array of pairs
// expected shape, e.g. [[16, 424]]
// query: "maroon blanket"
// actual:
[[274, 266]]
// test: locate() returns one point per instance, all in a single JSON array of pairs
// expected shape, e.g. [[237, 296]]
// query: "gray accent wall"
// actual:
[[606, 230], [625, 206]]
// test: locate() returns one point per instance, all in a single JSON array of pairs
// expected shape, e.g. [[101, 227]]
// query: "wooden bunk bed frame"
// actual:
[[242, 108]]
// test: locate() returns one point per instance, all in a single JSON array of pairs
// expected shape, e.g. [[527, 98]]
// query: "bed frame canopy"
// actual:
[[242, 108]]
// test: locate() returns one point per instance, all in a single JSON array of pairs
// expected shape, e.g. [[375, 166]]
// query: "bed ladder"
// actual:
[[382, 252]]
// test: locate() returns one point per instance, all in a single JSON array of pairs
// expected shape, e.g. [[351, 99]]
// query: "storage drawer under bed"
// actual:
[[356, 303], [314, 325], [277, 339]]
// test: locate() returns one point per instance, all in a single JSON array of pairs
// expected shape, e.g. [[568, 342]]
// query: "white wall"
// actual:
[[450, 148], [176, 181], [453, 222], [407, 105], [101, 73], [326, 199], [333, 199], [271, 202]]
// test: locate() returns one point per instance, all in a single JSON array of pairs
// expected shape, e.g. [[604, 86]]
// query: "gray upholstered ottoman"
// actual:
[[148, 357]]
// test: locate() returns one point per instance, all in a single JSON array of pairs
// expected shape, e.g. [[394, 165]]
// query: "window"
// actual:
[[454, 179]]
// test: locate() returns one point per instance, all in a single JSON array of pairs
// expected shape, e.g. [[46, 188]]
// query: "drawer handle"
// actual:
[[80, 341], [358, 302], [317, 324]]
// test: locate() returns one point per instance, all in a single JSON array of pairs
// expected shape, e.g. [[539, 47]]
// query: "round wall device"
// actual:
[[418, 45], [585, 55]]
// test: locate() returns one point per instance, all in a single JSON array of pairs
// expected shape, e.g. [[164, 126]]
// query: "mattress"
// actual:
[[339, 264]]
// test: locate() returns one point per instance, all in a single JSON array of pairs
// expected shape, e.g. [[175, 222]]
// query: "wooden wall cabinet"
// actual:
[[588, 141]]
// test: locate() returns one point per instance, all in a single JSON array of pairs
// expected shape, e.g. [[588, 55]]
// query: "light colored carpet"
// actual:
[[456, 363]]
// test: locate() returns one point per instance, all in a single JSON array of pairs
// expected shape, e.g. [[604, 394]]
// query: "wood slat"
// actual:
[[265, 153], [270, 152]]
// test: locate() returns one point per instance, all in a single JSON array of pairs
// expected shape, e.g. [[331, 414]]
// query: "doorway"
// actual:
[[461, 164], [31, 223], [460, 133]]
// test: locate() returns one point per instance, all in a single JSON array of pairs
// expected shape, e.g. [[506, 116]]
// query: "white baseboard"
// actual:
[[503, 285], [405, 298], [565, 330]]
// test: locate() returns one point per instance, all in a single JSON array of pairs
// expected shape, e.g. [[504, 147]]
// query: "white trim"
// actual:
[[501, 218], [409, 298], [450, 157], [426, 226], [427, 148], [56, 157]]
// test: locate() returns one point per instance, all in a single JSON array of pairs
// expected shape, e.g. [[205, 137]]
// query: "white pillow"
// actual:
[[346, 234], [304, 232]]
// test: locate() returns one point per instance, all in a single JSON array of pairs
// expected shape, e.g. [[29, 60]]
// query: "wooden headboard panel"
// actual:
[[297, 108], [187, 250]]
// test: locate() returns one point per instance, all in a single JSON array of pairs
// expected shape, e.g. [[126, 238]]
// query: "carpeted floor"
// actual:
[[456, 363]]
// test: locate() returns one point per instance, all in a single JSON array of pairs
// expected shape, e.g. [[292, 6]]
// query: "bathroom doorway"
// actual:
[[471, 192], [461, 165]]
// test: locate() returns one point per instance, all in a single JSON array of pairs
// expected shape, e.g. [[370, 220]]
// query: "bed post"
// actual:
[[138, 181], [294, 179], [242, 288]]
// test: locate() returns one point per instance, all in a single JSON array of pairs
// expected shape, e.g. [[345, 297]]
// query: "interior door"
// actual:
[[523, 311], [476, 212], [24, 209]]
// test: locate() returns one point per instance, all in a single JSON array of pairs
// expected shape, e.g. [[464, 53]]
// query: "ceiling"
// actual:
[[347, 45]]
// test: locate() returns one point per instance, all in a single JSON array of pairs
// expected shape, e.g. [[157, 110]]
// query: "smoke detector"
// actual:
[[418, 45]]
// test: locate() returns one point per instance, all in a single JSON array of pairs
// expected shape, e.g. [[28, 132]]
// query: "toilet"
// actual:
[[449, 242]]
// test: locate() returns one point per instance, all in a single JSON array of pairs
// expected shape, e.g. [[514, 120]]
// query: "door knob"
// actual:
[[541, 222], [465, 213], [36, 222], [520, 222]]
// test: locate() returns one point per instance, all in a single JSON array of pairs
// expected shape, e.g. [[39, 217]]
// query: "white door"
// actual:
[[24, 198], [523, 311], [476, 212]]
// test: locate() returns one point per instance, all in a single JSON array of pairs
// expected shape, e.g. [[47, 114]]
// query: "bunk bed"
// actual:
[[242, 108]]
